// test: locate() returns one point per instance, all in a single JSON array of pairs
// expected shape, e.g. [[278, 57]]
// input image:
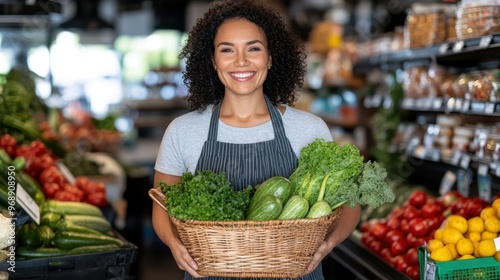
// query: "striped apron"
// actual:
[[250, 164]]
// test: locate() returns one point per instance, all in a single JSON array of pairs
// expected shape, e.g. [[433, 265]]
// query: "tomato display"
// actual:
[[413, 223]]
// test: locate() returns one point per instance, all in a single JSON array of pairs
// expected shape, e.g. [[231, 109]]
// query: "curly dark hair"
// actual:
[[285, 47]]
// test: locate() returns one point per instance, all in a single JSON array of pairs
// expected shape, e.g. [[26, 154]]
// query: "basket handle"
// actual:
[[158, 196]]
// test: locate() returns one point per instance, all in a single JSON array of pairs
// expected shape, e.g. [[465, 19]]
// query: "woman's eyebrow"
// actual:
[[248, 43]]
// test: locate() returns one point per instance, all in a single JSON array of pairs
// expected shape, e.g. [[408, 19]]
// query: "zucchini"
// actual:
[[67, 240], [90, 249], [32, 187], [28, 253], [50, 219], [295, 208], [46, 235], [319, 209], [71, 207], [4, 200], [65, 225], [267, 208], [96, 223], [277, 186]]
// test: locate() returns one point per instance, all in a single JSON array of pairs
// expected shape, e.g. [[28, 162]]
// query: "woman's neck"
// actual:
[[244, 111]]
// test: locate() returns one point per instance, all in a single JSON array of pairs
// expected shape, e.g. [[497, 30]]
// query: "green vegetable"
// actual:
[[93, 222], [30, 253], [65, 225], [278, 186], [69, 240], [28, 235], [70, 207], [267, 208], [46, 235], [32, 187], [206, 196], [50, 219], [319, 209], [337, 175], [295, 208], [91, 249]]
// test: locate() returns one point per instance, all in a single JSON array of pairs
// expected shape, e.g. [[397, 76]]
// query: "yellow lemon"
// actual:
[[453, 250], [492, 224], [476, 224], [486, 248], [457, 222], [441, 254], [488, 212], [474, 236], [476, 252], [451, 236], [466, 257], [465, 247], [434, 244], [496, 204], [497, 256], [438, 234], [488, 235]]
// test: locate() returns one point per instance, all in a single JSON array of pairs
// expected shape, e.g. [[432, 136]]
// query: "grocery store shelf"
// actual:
[[362, 263], [460, 53]]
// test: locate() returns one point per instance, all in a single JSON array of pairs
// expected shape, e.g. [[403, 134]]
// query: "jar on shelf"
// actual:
[[481, 87], [425, 26], [463, 85], [492, 146], [475, 20], [494, 77]]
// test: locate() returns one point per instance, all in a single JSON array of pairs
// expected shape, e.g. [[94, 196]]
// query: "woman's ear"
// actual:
[[270, 63]]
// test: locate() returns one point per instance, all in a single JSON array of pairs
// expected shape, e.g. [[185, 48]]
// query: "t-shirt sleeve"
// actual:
[[169, 159]]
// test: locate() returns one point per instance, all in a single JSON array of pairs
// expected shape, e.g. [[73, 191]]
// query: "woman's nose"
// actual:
[[241, 59]]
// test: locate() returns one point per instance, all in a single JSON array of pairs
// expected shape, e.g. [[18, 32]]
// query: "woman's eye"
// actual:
[[254, 49], [225, 50]]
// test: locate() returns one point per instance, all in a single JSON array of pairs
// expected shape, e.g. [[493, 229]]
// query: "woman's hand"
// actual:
[[338, 232], [183, 259]]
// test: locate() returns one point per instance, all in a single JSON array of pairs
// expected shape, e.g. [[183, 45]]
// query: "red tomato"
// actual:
[[404, 226], [412, 256], [396, 260], [410, 212], [474, 207], [73, 189], [413, 271], [98, 199], [411, 240], [393, 236], [38, 147], [396, 213], [94, 187], [50, 189], [448, 198], [32, 167], [399, 247], [419, 227], [81, 182], [417, 199], [366, 238], [402, 267], [52, 175], [433, 222], [45, 161], [65, 196], [385, 253], [379, 230], [9, 144], [392, 223], [429, 210], [458, 204]]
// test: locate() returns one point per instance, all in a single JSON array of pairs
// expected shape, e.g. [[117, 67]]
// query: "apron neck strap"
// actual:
[[277, 122]]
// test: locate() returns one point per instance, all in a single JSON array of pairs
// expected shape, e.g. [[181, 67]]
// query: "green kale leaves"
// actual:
[[206, 196]]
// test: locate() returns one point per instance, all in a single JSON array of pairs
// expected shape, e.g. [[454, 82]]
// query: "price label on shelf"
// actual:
[[27, 203], [458, 46], [66, 173], [482, 170], [489, 108], [466, 106], [443, 48], [455, 158], [465, 161], [484, 187], [437, 103], [447, 182], [485, 41], [497, 243]]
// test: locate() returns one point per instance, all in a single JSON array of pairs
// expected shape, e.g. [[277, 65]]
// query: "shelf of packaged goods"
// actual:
[[363, 263], [465, 53]]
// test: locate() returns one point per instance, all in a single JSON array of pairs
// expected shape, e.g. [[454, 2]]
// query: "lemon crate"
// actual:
[[470, 269]]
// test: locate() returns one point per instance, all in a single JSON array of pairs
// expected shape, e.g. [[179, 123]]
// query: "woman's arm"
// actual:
[[338, 232], [167, 232]]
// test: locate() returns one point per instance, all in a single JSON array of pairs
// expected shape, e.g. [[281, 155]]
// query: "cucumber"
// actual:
[[27, 253], [295, 208], [90, 249], [267, 208], [67, 240], [32, 187], [71, 207], [93, 222], [277, 186], [319, 209], [50, 219], [65, 225], [5, 202]]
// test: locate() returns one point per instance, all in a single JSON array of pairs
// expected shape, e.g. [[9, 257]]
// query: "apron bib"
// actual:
[[250, 164]]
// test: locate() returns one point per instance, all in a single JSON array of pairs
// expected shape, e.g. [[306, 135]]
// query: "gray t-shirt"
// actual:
[[183, 140]]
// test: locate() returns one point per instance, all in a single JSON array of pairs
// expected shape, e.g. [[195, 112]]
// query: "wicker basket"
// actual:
[[248, 249]]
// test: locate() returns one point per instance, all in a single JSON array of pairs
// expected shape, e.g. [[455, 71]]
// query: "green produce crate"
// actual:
[[471, 269]]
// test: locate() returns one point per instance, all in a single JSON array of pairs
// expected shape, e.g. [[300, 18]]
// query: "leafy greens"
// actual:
[[206, 196]]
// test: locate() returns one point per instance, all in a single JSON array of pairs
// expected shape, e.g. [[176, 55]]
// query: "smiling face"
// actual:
[[241, 57]]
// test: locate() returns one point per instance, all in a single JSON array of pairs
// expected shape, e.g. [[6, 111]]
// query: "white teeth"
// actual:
[[242, 75]]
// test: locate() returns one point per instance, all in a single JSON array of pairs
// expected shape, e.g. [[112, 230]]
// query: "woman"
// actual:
[[243, 68]]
